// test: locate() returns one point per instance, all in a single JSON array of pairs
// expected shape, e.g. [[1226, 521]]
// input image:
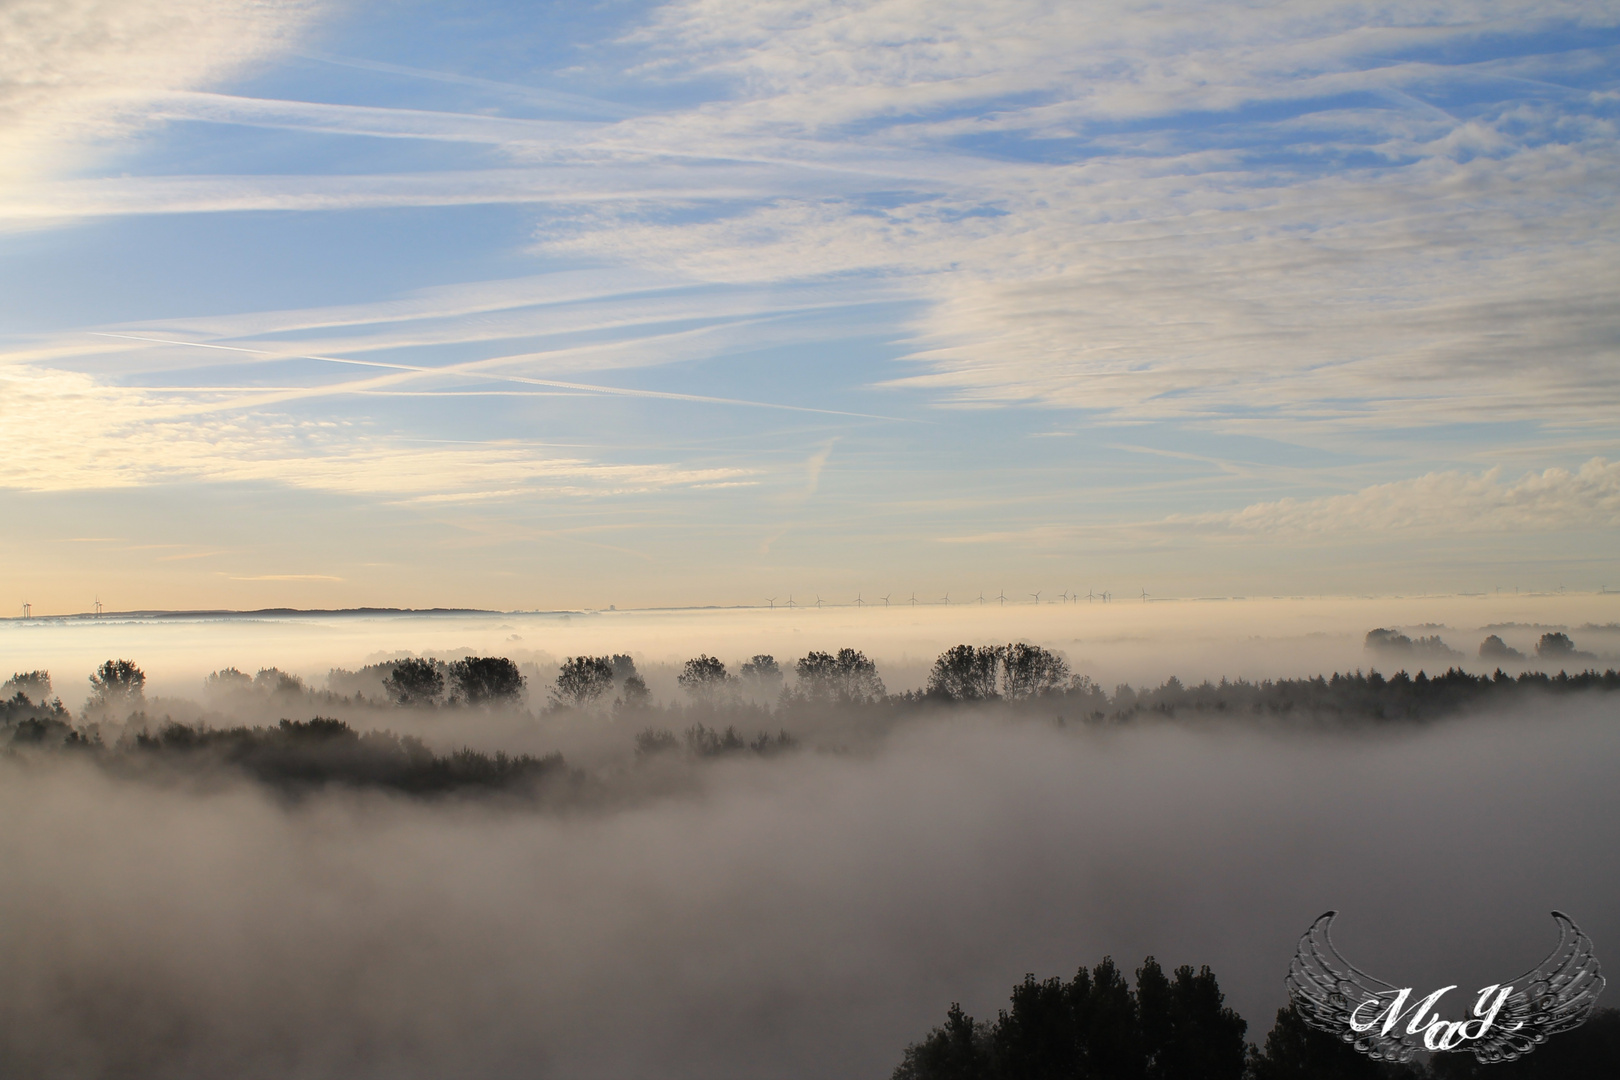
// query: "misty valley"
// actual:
[[775, 868]]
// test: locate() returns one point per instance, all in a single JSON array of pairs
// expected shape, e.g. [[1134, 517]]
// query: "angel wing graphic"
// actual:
[[1556, 995]]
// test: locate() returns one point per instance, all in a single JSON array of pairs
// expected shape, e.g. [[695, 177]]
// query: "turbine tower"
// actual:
[[858, 601], [771, 600], [1002, 596], [913, 600], [1037, 596], [886, 599]]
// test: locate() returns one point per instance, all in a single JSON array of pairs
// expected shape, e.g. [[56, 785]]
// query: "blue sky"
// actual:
[[576, 304]]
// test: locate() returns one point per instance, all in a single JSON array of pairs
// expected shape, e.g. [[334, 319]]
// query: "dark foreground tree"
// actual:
[[486, 680], [1093, 1027], [1591, 1050], [957, 1050]]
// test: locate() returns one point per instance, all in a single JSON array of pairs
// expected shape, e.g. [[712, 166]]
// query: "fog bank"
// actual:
[[802, 916]]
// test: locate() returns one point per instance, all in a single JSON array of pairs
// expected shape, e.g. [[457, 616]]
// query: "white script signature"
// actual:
[[1389, 1009]]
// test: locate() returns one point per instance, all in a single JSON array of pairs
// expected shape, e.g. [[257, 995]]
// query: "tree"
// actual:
[[965, 673], [763, 675], [1188, 1032], [1555, 646], [1030, 671], [624, 667], [481, 680], [415, 682], [1296, 1051], [1494, 648], [957, 1050], [117, 683], [275, 681], [33, 685], [848, 678], [703, 677], [582, 680], [228, 679], [634, 694]]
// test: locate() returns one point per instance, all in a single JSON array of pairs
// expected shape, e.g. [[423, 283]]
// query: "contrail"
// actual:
[[470, 370]]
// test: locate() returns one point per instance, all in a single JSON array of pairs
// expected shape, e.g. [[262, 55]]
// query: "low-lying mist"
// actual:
[[803, 913]]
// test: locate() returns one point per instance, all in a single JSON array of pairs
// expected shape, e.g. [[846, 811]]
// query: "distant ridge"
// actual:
[[228, 613]]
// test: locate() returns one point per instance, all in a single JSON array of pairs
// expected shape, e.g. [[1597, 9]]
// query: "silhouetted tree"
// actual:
[[965, 673], [33, 685], [1591, 1050], [848, 678], [958, 1050], [1494, 648], [763, 675], [1555, 646], [117, 684], [275, 681], [1030, 671], [415, 682], [1093, 1027], [582, 680], [633, 694], [624, 666], [1296, 1051], [703, 677], [226, 679], [486, 680]]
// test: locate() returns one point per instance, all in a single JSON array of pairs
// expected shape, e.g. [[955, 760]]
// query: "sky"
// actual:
[[545, 305]]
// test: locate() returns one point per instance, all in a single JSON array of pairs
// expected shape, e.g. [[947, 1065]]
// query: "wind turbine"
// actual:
[[790, 601], [1144, 596], [98, 607], [913, 598], [818, 601], [1064, 596], [886, 599], [771, 600], [1037, 596], [1090, 596], [28, 610], [858, 601], [981, 598], [946, 599], [1002, 597]]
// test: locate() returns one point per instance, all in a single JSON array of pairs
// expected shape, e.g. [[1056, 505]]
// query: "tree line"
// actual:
[[1177, 1026], [1018, 674]]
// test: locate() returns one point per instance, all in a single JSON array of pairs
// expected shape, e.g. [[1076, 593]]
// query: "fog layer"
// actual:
[[800, 916]]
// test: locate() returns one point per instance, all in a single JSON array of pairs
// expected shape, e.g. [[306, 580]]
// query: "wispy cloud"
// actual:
[[1456, 503], [64, 431], [1443, 504], [74, 73]]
